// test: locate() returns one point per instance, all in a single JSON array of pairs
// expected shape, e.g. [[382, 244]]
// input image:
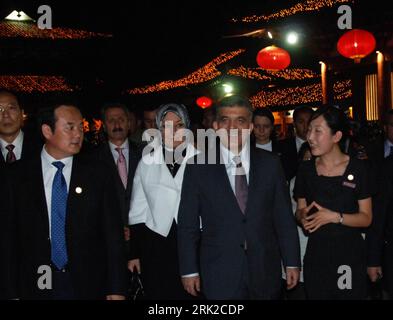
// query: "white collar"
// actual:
[[300, 140], [388, 143], [228, 155], [17, 141], [260, 145], [125, 145], [45, 156]]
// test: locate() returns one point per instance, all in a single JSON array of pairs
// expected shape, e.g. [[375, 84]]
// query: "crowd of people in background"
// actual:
[[305, 217]]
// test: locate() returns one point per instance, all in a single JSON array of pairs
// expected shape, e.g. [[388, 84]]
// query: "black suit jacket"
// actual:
[[104, 155], [7, 289], [31, 146], [93, 232], [289, 157], [268, 226], [381, 229]]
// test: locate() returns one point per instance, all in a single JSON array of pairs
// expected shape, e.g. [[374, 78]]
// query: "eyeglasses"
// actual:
[[11, 107]]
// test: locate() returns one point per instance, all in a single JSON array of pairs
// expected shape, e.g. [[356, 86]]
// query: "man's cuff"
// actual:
[[190, 275]]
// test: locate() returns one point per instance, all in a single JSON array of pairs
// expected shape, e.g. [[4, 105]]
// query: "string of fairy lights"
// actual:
[[203, 74], [209, 72], [31, 83], [305, 6], [248, 73], [16, 29], [261, 74], [300, 95]]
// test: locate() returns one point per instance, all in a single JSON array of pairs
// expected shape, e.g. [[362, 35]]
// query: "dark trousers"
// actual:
[[160, 267], [297, 293], [388, 269], [62, 288]]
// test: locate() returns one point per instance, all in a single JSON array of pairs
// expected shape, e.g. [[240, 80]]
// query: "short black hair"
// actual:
[[263, 112], [46, 115], [302, 109], [13, 93], [113, 105], [234, 101], [335, 118]]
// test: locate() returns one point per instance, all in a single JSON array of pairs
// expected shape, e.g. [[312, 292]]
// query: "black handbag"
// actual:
[[135, 287]]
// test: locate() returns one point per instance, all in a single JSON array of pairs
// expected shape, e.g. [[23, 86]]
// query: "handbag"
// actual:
[[135, 287]]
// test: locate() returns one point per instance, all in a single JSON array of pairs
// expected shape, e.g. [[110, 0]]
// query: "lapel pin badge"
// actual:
[[350, 177], [78, 190]]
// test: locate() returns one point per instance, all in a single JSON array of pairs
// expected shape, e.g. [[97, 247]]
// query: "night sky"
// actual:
[[160, 39]]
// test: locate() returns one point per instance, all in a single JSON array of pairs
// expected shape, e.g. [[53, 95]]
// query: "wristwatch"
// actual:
[[341, 218]]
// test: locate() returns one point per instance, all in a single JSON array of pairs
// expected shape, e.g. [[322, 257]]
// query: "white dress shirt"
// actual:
[[48, 174], [299, 143], [125, 150], [388, 145], [266, 146], [230, 165], [18, 143]]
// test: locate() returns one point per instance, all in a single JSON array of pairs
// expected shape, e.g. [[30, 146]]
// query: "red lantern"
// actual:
[[204, 102], [356, 44], [273, 58]]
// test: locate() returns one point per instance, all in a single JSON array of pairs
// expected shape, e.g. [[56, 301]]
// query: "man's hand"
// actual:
[[115, 297], [292, 277], [134, 264], [192, 285], [374, 273]]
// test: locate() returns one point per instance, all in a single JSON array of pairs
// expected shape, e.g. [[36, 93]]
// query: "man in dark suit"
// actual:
[[289, 148], [120, 155], [14, 143], [67, 237], [381, 159], [388, 226], [235, 222], [6, 268], [379, 236]]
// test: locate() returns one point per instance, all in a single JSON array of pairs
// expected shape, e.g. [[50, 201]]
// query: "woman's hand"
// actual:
[[134, 264], [301, 214], [320, 218]]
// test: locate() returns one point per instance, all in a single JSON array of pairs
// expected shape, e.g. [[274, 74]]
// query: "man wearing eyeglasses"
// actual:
[[13, 143]]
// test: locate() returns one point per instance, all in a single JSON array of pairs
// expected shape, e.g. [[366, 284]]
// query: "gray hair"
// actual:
[[179, 109]]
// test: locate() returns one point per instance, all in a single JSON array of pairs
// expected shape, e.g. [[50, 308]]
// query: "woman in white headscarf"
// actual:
[[154, 206]]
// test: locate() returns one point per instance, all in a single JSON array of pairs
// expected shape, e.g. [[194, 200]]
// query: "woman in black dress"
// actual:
[[333, 193]]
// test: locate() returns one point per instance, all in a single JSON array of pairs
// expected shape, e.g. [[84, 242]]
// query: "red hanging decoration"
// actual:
[[273, 58], [204, 102], [356, 44]]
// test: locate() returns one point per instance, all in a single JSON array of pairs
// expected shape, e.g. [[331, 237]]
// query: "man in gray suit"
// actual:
[[244, 207]]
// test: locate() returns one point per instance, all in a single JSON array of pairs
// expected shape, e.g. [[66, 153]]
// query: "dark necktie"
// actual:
[[241, 187], [10, 155], [122, 167], [58, 217]]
